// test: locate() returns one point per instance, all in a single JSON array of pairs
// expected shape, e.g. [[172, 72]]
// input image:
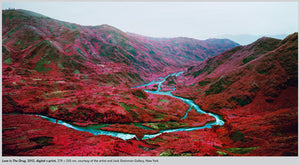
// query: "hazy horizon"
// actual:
[[199, 20]]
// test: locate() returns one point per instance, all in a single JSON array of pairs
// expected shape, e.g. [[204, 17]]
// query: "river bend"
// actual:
[[126, 136]]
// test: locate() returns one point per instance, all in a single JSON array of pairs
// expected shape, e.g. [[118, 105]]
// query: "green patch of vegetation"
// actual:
[[132, 51], [186, 154], [141, 126], [18, 43], [168, 152], [248, 59], [12, 31], [127, 107], [66, 25], [197, 73], [8, 61], [191, 85], [156, 140], [159, 107], [240, 150], [165, 125], [151, 52], [60, 66], [106, 51], [163, 100], [53, 107], [241, 100], [68, 49], [85, 77], [221, 153], [85, 46], [39, 66], [190, 68], [79, 51], [73, 26], [76, 71]]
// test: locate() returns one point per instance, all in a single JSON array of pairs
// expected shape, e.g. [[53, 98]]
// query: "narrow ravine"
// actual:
[[126, 136]]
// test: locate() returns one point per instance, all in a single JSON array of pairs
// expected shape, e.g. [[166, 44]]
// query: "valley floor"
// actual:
[[34, 136], [245, 133]]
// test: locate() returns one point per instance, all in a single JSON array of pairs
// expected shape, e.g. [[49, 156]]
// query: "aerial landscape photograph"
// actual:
[[158, 79]]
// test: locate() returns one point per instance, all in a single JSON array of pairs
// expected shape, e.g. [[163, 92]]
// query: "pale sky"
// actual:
[[200, 20]]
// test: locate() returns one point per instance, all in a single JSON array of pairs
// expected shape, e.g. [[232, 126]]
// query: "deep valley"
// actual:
[[72, 90]]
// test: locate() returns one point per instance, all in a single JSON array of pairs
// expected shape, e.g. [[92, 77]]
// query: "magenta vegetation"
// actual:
[[84, 76]]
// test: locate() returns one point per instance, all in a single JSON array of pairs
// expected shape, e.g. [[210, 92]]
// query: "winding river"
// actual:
[[126, 136]]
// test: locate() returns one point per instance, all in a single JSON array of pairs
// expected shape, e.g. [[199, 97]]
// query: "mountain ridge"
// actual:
[[255, 88], [245, 39], [104, 43]]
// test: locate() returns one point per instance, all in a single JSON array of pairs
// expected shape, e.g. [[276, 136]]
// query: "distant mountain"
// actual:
[[35, 42], [245, 39]]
